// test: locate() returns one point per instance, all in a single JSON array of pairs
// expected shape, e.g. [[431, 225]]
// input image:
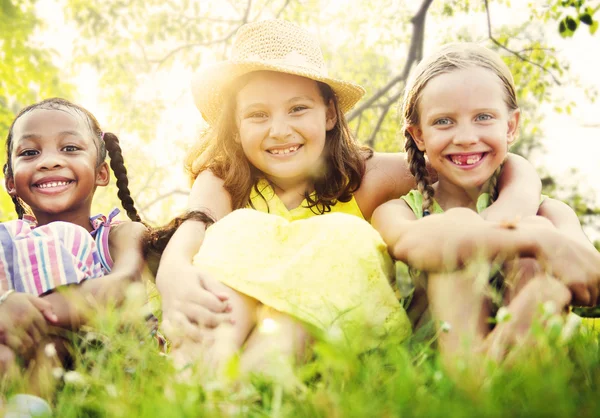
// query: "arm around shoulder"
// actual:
[[387, 176], [519, 191]]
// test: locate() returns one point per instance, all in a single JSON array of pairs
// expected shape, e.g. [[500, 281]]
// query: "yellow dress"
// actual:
[[330, 271]]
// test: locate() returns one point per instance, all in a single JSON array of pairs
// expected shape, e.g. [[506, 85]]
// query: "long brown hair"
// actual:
[[218, 151], [449, 58], [104, 141]]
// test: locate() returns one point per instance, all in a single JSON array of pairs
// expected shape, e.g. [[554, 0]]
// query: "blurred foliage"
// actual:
[[135, 45], [571, 15], [27, 71]]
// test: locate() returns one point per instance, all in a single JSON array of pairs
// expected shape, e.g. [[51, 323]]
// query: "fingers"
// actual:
[[45, 307], [203, 317], [215, 287], [177, 327], [207, 300]]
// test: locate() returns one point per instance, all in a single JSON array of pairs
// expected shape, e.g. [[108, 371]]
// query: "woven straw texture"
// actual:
[[270, 45]]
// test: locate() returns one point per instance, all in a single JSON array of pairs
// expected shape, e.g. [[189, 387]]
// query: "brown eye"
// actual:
[[28, 153]]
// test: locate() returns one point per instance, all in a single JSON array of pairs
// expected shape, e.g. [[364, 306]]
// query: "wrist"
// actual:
[[5, 296]]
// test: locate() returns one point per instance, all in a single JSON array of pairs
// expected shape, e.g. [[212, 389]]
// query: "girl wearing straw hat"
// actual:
[[277, 155]]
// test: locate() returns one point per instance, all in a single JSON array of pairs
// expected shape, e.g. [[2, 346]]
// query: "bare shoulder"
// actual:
[[387, 177], [127, 231]]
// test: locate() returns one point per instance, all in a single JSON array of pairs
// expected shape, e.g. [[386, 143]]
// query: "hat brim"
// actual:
[[210, 85]]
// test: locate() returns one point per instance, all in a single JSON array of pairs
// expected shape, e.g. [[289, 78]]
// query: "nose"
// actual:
[[465, 135], [280, 127], [50, 161]]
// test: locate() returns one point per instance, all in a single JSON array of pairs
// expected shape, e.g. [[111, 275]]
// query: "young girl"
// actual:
[[460, 110], [278, 144], [56, 155]]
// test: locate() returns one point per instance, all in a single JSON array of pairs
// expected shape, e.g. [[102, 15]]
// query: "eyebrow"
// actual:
[[61, 134], [300, 98]]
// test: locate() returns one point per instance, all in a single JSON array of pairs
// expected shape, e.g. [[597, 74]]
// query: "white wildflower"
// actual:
[[571, 325], [50, 350], [549, 308], [445, 326], [111, 390], [74, 378], [58, 372], [335, 334], [136, 292], [503, 315]]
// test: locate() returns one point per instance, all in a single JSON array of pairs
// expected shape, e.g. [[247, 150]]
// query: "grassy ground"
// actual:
[[126, 376]]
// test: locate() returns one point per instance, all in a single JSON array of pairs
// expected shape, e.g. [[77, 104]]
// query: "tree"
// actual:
[[148, 40], [27, 72]]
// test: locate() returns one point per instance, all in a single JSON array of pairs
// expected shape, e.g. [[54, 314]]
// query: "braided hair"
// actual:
[[104, 141], [449, 58]]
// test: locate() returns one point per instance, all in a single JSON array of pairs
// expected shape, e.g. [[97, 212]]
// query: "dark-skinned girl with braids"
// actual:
[[56, 155], [460, 110]]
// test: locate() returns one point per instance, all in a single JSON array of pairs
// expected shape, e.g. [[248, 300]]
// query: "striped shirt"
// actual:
[[37, 259]]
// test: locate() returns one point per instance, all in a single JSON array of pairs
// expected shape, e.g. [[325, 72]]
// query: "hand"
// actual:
[[575, 264], [195, 302], [443, 242], [23, 322]]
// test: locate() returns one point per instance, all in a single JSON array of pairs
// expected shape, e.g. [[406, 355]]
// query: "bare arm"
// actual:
[[387, 176], [519, 191], [445, 242], [581, 258], [187, 305], [74, 304]]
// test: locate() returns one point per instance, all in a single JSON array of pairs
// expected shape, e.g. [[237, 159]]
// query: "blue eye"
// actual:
[[442, 121], [483, 117]]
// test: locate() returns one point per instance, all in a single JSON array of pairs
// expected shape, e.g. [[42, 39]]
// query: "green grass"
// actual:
[[128, 377]]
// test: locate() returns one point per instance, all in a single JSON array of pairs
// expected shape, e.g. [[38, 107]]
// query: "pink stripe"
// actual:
[[58, 276]]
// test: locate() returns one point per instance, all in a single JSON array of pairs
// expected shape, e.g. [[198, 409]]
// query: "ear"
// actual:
[[103, 174], [417, 136], [513, 126], [330, 116], [9, 182]]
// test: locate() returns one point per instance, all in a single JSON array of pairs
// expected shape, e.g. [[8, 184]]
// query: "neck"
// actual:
[[81, 218], [291, 193], [449, 195]]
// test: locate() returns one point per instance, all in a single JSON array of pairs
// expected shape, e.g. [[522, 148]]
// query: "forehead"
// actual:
[[265, 85], [50, 122], [473, 86]]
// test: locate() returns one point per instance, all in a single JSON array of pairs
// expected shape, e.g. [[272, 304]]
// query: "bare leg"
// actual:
[[522, 310], [458, 300], [276, 345], [221, 344]]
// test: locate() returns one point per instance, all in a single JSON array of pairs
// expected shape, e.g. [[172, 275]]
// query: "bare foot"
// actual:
[[515, 321]]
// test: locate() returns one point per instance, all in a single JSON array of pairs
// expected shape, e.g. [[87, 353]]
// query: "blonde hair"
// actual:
[[219, 152], [450, 57]]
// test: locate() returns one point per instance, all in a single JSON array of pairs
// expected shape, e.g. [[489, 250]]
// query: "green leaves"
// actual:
[[568, 22]]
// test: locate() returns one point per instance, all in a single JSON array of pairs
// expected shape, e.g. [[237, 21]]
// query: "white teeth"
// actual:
[[52, 184], [284, 151], [470, 160]]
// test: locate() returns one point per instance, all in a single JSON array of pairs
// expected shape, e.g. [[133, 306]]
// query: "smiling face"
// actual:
[[55, 165], [465, 126], [282, 124]]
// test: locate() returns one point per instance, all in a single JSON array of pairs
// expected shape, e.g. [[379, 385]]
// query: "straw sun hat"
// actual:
[[270, 45]]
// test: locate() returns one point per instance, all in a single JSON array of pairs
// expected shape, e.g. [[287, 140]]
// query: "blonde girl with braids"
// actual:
[[291, 192], [55, 160], [460, 111]]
